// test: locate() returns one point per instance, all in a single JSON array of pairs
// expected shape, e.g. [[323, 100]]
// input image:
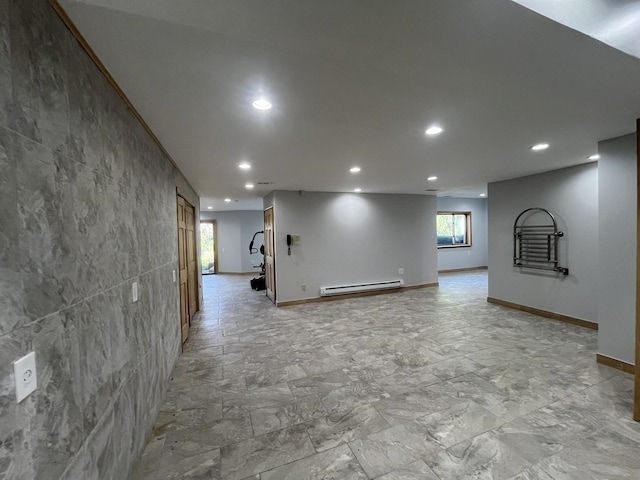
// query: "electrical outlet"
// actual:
[[401, 271], [24, 372], [134, 291], [303, 287]]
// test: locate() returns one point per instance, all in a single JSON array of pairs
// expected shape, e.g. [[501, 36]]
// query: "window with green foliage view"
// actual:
[[454, 229]]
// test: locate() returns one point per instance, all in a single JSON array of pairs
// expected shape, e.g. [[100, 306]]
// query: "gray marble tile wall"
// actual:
[[87, 206]]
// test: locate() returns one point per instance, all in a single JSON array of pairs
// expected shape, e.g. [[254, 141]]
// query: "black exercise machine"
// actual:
[[259, 282]]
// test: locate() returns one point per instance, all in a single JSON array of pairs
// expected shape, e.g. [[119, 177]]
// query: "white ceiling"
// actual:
[[357, 83]]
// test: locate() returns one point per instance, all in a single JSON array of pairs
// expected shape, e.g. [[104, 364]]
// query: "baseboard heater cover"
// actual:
[[360, 287]]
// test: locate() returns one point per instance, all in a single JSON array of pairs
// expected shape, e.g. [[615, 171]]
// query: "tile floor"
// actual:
[[425, 384]]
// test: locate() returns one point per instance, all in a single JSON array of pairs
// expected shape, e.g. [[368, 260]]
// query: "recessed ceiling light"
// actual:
[[357, 190], [540, 146], [595, 156], [483, 194], [433, 130], [248, 185], [262, 104], [210, 208], [227, 200], [432, 178], [244, 166], [354, 169]]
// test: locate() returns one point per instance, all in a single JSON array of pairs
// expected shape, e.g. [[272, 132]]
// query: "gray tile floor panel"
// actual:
[[425, 384]]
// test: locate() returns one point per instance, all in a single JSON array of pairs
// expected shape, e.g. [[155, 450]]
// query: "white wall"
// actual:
[[571, 194], [267, 200], [348, 238], [235, 230], [476, 254], [617, 252]]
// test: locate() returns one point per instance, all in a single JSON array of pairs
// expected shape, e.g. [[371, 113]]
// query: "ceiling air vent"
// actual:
[[265, 183], [431, 190]]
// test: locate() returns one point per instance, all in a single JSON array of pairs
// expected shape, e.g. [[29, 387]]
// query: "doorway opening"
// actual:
[[209, 247]]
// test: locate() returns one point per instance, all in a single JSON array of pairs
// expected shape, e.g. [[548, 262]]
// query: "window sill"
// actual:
[[466, 245]]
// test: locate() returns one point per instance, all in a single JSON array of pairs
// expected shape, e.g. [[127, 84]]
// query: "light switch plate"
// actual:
[[134, 292], [173, 272], [295, 240], [24, 371]]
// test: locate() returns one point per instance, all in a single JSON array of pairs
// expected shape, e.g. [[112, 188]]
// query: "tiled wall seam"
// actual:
[[80, 459], [127, 281]]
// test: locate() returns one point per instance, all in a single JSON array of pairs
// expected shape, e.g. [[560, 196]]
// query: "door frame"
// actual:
[[215, 246], [272, 243], [636, 396]]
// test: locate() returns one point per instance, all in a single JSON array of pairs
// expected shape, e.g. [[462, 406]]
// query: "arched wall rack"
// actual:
[[535, 245]]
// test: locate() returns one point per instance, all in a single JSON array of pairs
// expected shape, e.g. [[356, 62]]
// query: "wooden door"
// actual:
[[192, 258], [269, 255], [182, 269]]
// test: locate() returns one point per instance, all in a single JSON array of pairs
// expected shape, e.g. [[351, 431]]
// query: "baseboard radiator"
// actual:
[[360, 287]]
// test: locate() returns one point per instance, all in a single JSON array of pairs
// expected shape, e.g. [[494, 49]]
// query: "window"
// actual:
[[454, 229]]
